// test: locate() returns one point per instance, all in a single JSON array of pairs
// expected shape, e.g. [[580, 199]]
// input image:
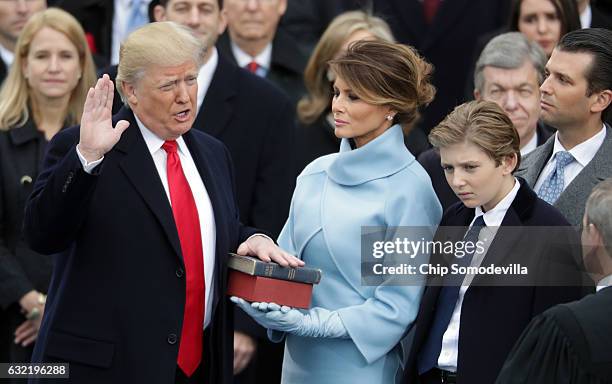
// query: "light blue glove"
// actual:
[[317, 322]]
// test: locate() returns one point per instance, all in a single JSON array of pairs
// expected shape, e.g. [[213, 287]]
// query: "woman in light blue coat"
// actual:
[[352, 332]]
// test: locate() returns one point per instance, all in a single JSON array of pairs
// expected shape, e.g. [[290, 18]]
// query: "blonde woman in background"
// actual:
[[44, 92], [315, 136]]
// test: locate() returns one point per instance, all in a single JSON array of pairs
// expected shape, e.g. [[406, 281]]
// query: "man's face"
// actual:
[[203, 16], [517, 92], [254, 20], [164, 99], [14, 14], [564, 99]]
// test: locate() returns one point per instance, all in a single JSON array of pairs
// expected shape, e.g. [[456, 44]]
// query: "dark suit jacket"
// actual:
[[22, 270], [493, 316], [600, 19], [447, 44], [568, 343], [287, 65], [96, 17], [115, 305], [430, 160], [3, 71], [572, 200]]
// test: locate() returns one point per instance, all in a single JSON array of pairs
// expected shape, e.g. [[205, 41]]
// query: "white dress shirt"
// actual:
[[264, 59], [205, 76], [121, 13], [586, 17], [531, 144], [7, 56], [583, 154], [202, 200], [493, 219], [604, 283]]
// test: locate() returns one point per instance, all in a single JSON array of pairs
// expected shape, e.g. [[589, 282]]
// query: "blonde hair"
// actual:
[[15, 97], [388, 74], [164, 44], [311, 106], [482, 123]]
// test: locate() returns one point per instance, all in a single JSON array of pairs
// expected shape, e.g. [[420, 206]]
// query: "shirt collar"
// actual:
[[604, 283], [495, 216], [381, 157], [206, 74], [154, 142], [531, 144], [586, 17], [264, 58], [585, 151], [7, 56]]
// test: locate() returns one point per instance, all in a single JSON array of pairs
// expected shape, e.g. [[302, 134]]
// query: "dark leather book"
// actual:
[[256, 267]]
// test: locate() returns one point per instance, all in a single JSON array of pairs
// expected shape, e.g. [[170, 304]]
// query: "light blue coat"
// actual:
[[379, 184]]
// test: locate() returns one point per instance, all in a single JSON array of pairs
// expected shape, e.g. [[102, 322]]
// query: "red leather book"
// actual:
[[264, 289]]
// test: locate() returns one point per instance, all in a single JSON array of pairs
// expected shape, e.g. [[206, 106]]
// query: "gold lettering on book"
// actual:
[[291, 274], [269, 270]]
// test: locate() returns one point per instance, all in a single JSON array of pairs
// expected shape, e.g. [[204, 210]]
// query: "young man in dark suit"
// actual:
[[508, 72], [140, 213], [467, 324], [576, 98], [570, 343]]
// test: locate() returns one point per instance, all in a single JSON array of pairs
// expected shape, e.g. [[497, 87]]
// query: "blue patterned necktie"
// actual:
[[554, 184], [427, 357], [138, 16]]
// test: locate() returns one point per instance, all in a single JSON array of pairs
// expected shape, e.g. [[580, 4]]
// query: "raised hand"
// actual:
[[97, 133]]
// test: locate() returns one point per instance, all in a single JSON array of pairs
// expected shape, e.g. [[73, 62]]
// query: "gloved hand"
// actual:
[[317, 322]]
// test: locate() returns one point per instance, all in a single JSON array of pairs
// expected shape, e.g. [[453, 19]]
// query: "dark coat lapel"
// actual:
[[139, 168], [216, 109]]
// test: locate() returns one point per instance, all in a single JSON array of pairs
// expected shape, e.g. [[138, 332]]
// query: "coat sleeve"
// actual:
[[58, 204], [544, 354], [378, 324]]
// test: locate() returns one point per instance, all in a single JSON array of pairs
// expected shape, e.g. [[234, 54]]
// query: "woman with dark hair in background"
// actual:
[[45, 91], [544, 21]]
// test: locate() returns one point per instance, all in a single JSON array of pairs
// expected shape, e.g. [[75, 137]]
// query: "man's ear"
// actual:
[[602, 101], [129, 93], [477, 95], [159, 13]]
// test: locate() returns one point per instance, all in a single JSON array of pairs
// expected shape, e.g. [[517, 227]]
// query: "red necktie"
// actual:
[[252, 66], [188, 226], [430, 8]]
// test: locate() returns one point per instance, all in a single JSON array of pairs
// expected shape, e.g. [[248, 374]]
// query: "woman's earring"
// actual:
[[389, 117]]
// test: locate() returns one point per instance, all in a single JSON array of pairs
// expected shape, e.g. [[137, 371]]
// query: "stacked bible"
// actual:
[[255, 280]]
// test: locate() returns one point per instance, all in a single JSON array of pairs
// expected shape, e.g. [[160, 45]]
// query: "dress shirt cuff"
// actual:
[[89, 166]]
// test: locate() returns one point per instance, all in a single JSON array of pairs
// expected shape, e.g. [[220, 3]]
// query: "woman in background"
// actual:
[[315, 136], [44, 92], [352, 332], [544, 21]]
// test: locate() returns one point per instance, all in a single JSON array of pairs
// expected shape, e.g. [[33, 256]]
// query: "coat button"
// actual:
[[172, 338], [180, 272]]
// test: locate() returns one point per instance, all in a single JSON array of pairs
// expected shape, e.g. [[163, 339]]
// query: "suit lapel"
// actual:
[[580, 188], [534, 162], [139, 168], [216, 109]]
